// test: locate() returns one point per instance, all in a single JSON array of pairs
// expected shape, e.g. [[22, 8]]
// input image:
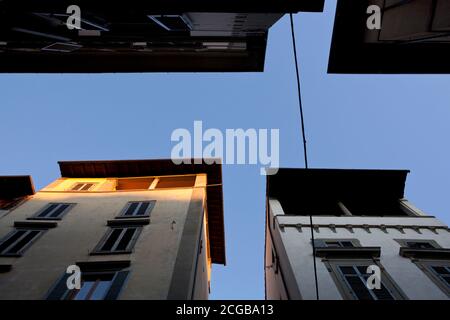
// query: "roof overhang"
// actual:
[[139, 168], [413, 39], [290, 186], [12, 187]]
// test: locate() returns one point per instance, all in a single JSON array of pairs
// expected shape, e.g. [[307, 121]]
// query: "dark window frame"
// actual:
[[426, 267], [346, 290], [324, 243], [93, 184], [71, 294], [405, 243], [129, 248], [148, 211], [59, 217], [24, 248], [59, 290]]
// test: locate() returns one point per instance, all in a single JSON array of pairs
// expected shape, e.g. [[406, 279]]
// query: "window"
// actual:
[[339, 244], [118, 240], [418, 244], [18, 241], [53, 211], [95, 285], [336, 243], [438, 271], [82, 186], [443, 273], [351, 278], [138, 209], [356, 279]]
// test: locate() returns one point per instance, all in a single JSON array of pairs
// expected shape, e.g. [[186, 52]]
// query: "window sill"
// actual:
[[89, 266], [436, 253], [96, 253], [43, 219], [5, 268], [10, 255], [128, 222], [353, 253], [147, 216], [36, 224]]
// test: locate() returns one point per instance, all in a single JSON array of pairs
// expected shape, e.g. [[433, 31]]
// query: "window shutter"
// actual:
[[59, 290], [117, 285]]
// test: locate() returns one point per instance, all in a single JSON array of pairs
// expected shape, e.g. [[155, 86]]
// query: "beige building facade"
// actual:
[[146, 229]]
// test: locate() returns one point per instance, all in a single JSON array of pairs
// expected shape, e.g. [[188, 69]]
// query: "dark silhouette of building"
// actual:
[[139, 36], [412, 37]]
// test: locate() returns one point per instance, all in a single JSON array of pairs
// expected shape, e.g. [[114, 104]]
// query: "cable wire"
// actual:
[[302, 118]]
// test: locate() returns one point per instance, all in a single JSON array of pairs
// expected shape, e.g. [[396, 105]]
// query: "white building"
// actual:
[[360, 218]]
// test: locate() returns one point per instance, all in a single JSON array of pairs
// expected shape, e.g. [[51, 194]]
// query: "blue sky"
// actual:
[[352, 121]]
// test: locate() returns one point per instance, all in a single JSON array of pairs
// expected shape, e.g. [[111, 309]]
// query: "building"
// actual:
[[13, 191], [141, 36], [360, 218], [142, 229], [378, 36]]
